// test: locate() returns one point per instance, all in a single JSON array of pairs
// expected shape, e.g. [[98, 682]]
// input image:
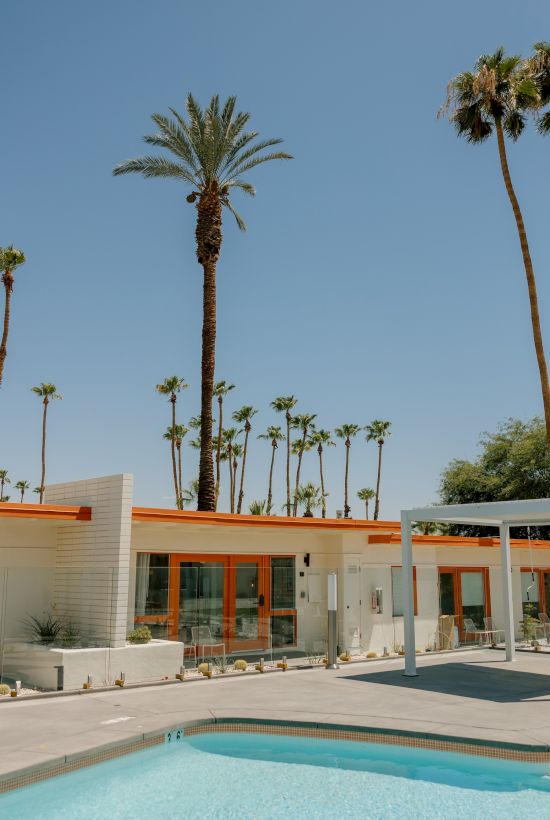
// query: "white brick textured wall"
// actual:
[[93, 557]]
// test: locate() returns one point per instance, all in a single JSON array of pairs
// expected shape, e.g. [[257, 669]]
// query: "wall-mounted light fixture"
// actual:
[[306, 559]]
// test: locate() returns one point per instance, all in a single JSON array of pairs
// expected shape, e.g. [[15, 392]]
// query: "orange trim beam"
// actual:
[[48, 512], [232, 519]]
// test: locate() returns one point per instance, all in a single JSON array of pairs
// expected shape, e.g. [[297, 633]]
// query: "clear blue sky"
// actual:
[[380, 276]]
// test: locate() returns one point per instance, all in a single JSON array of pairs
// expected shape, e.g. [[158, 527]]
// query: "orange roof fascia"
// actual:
[[152, 514], [457, 541], [53, 512]]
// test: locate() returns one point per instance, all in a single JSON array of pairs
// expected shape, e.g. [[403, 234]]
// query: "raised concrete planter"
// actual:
[[35, 665]]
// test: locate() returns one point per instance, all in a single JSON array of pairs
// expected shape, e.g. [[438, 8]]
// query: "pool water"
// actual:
[[238, 775]]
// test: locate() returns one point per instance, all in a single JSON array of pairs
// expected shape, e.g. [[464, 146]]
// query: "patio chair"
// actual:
[[491, 630], [201, 638], [544, 624], [471, 629]]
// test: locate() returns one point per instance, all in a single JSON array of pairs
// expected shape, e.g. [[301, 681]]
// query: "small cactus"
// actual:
[[345, 657], [372, 654], [4, 689], [240, 665], [203, 668]]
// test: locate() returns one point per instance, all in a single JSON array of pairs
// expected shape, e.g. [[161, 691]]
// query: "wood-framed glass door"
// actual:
[[464, 593], [248, 627]]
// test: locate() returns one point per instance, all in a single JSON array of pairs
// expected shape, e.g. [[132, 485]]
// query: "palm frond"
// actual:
[[240, 221], [155, 167]]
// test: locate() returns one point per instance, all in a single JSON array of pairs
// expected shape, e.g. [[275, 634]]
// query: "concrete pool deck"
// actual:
[[472, 695]]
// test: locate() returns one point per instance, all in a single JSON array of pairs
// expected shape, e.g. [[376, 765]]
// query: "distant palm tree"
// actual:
[[284, 404], [322, 438], [303, 422], [309, 496], [366, 494], [211, 153], [347, 432], [176, 435], [48, 393], [274, 435], [378, 431], [257, 508], [494, 97], [237, 451], [10, 259], [4, 479], [228, 443], [427, 527], [171, 386], [37, 490], [243, 416], [22, 486], [221, 389]]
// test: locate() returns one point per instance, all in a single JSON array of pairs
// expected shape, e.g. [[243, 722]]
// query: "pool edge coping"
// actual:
[[64, 764]]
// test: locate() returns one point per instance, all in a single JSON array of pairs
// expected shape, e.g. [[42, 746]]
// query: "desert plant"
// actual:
[[141, 634], [222, 664], [372, 654], [44, 630], [70, 635], [240, 665], [4, 689], [203, 668], [528, 628]]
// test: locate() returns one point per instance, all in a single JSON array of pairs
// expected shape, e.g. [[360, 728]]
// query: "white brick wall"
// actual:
[[93, 557]]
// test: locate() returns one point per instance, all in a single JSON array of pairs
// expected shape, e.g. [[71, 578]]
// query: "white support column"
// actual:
[[408, 596], [507, 600]]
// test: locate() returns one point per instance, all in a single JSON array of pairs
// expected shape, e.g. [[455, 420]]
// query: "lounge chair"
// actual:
[[471, 629], [492, 632], [202, 639]]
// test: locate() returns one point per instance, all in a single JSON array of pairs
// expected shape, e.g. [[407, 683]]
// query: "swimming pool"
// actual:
[[238, 775]]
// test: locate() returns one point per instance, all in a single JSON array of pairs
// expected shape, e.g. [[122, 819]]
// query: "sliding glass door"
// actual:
[[464, 593]]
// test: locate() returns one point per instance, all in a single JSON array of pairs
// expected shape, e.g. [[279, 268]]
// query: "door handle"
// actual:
[[261, 600]]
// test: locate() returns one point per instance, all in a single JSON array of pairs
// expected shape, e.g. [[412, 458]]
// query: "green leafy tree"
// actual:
[[10, 259], [309, 496], [170, 387], [221, 389], [513, 464], [48, 393], [284, 404], [366, 494], [304, 423], [274, 435], [4, 479], [347, 432], [22, 486], [212, 152], [322, 438], [243, 417], [378, 431], [495, 97]]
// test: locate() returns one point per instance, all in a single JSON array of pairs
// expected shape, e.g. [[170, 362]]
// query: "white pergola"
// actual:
[[501, 514]]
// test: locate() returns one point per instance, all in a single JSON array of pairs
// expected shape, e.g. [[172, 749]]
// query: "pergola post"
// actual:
[[507, 601], [408, 595]]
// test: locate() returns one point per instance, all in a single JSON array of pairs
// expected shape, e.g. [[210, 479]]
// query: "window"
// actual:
[[530, 593], [152, 585], [397, 591], [283, 583]]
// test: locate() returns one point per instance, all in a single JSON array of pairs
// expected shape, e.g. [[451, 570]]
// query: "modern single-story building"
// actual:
[[254, 584]]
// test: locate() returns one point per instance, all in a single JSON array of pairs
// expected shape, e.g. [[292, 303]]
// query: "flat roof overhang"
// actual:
[[45, 512]]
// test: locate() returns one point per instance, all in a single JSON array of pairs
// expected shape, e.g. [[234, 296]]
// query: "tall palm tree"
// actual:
[[310, 497], [211, 153], [228, 443], [274, 435], [171, 386], [237, 451], [366, 494], [243, 416], [537, 67], [10, 259], [298, 447], [347, 432], [378, 431], [176, 435], [303, 422], [221, 389], [4, 479], [48, 393], [284, 404], [22, 486], [494, 97], [322, 438]]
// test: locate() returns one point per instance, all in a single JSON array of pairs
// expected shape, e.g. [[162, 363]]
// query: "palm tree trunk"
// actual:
[[269, 489], [346, 507], [7, 279], [241, 487], [288, 417], [219, 453], [235, 466], [173, 451], [230, 461], [377, 499], [367, 510], [530, 275], [323, 502], [180, 498], [43, 478]]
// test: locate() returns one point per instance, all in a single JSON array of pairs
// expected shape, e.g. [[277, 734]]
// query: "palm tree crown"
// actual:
[[284, 404], [309, 496], [366, 494]]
